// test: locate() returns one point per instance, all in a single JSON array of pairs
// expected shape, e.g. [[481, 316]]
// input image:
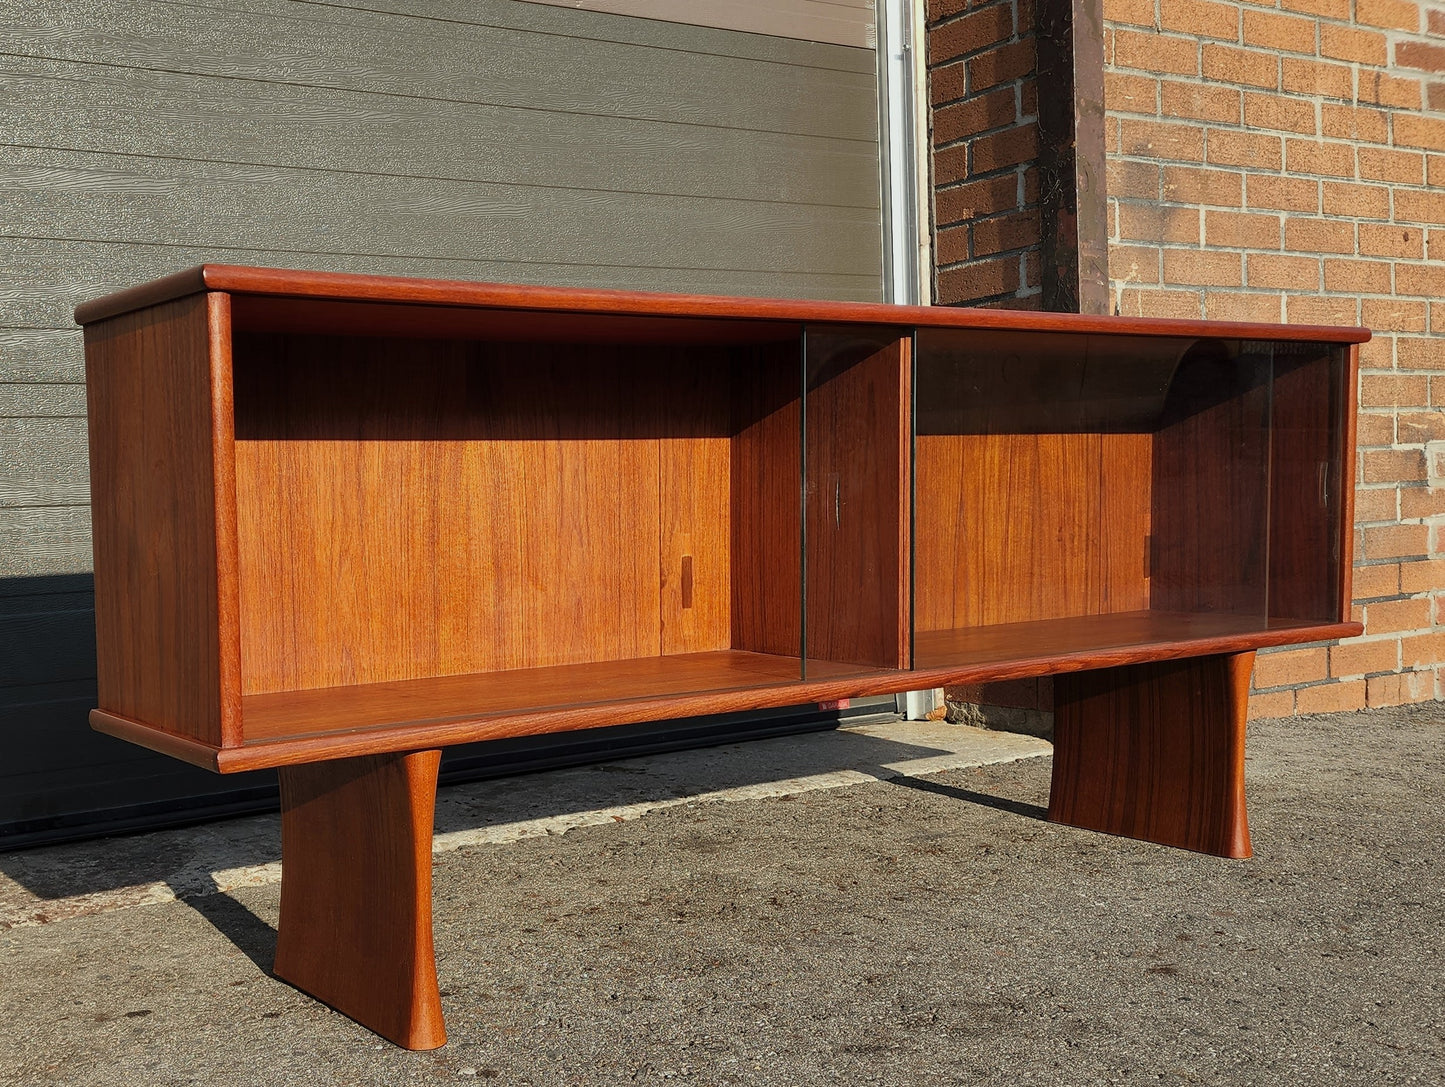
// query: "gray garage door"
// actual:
[[472, 139]]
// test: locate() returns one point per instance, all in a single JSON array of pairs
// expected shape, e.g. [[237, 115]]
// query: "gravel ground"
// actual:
[[920, 930]]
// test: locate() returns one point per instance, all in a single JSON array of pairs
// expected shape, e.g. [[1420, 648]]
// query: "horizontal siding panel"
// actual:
[[42, 281], [52, 355], [36, 400], [44, 462], [842, 23], [182, 117], [65, 194], [38, 541], [466, 63], [47, 647]]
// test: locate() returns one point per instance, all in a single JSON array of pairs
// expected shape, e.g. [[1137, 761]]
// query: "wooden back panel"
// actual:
[[1011, 528], [858, 448], [417, 508], [158, 393]]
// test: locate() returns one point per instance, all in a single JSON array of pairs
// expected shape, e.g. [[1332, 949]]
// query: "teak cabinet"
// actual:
[[343, 521]]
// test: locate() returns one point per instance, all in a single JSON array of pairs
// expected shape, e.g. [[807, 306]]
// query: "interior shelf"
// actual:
[[1083, 634], [442, 699]]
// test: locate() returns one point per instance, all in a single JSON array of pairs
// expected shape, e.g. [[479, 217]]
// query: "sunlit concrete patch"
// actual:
[[42, 886]]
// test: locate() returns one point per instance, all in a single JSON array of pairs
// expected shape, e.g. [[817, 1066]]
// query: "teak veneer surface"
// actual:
[[242, 280]]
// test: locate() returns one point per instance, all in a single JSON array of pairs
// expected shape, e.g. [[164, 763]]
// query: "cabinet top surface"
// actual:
[[336, 286]]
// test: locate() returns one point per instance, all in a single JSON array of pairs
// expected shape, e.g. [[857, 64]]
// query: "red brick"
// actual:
[[1242, 306], [973, 116], [1420, 502], [1377, 504], [972, 32], [1319, 157], [1200, 102], [1390, 14], [1421, 426], [1417, 206], [1303, 235], [1331, 697], [1430, 58], [1200, 267], [1160, 303], [1425, 353], [1249, 149], [1278, 112], [992, 236], [979, 279], [1396, 542], [1426, 576], [1399, 690], [1283, 193], [1420, 279], [1347, 200], [1283, 272], [1392, 314], [1001, 65], [1228, 64], [1000, 150], [1317, 77], [1134, 263], [1395, 390], [1138, 12], [1271, 704], [1156, 53], [1389, 616], [1389, 240], [1370, 582], [1196, 185], [1158, 223], [1289, 667], [1285, 33], [1156, 139], [1124, 93], [1312, 309], [1357, 276], [1353, 44], [1334, 9], [976, 199], [1354, 123], [1241, 230], [1388, 90], [1201, 18], [1401, 167], [1358, 658], [1376, 428], [1131, 180]]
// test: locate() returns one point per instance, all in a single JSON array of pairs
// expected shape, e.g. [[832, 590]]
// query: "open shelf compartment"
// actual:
[[1079, 493]]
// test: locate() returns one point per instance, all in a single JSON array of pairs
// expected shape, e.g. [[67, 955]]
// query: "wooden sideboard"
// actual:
[[343, 521]]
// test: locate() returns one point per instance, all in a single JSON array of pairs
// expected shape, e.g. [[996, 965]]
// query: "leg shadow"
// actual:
[[1014, 807], [255, 938]]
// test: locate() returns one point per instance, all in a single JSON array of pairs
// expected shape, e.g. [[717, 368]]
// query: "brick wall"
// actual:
[[1287, 163], [985, 141], [1279, 161]]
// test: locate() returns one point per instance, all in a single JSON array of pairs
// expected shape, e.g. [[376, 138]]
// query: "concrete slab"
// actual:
[[41, 886]]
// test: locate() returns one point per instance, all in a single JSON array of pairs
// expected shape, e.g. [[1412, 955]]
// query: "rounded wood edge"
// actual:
[[167, 289], [167, 743], [342, 286]]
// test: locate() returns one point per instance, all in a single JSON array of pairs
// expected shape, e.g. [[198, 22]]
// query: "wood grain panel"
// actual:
[[1307, 481], [859, 414], [154, 401], [767, 482], [1017, 527], [356, 910], [1155, 751], [1211, 485]]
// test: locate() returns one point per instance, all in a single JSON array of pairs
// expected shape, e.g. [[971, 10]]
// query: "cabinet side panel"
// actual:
[[857, 507], [153, 480], [1012, 528], [766, 503], [1306, 485]]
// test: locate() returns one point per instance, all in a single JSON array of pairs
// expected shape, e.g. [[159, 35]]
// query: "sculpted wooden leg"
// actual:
[[356, 928], [1155, 751]]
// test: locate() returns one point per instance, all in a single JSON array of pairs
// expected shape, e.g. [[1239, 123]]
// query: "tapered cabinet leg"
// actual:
[[1155, 751], [356, 925]]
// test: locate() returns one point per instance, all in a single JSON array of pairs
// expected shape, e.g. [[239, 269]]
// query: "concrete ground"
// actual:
[[884, 906]]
